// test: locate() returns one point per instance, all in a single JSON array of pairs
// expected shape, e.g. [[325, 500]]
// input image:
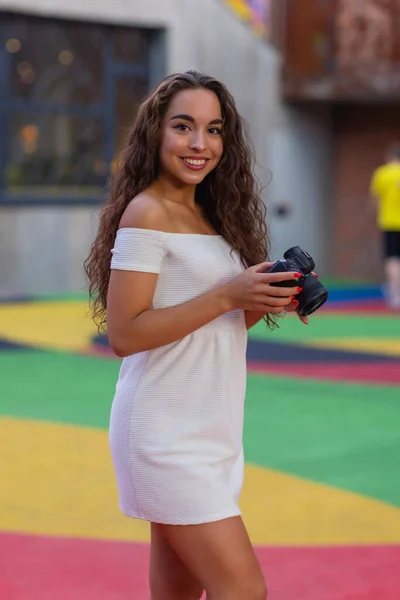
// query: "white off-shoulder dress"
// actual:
[[176, 423]]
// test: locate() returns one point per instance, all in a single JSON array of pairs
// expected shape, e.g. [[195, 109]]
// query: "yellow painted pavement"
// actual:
[[388, 346], [50, 325], [67, 326], [58, 480]]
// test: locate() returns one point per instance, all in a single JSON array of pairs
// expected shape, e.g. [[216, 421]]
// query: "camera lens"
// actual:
[[313, 296], [308, 309]]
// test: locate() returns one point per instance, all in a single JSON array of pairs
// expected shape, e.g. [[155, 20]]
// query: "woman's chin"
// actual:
[[189, 178]]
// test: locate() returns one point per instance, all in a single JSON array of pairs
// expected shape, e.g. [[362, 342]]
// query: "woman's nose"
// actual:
[[197, 141]]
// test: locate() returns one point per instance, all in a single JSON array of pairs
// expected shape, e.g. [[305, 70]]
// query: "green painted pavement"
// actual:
[[63, 297], [345, 435], [334, 283], [326, 326], [56, 386], [340, 434]]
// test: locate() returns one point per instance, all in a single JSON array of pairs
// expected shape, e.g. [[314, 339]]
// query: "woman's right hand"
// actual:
[[252, 290]]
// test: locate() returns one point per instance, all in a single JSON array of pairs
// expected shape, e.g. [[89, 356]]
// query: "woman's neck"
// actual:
[[173, 190]]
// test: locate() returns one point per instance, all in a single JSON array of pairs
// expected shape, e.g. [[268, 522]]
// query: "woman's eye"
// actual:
[[182, 127], [215, 131]]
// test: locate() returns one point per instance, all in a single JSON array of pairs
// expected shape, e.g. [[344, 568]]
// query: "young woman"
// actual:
[[178, 272]]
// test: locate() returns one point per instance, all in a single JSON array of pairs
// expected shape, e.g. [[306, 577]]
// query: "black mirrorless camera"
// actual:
[[314, 295]]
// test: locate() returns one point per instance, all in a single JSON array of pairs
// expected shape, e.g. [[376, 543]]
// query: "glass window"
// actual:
[[59, 63], [53, 153], [130, 93], [57, 93], [131, 45]]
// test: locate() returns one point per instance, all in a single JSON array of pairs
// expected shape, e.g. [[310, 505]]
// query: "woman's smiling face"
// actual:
[[191, 142]]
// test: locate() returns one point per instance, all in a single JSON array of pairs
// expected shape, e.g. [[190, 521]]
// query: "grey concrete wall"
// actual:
[[200, 35], [300, 156], [42, 249]]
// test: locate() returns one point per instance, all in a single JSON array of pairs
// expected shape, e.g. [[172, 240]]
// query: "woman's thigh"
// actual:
[[170, 579], [220, 556]]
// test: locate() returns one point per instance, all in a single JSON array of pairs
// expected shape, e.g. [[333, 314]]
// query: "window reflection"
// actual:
[[129, 95], [59, 63], [130, 42], [58, 107], [54, 152]]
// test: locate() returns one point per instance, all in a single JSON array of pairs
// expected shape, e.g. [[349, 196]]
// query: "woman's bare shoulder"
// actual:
[[146, 211]]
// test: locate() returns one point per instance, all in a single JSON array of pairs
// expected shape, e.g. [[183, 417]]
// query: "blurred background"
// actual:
[[318, 82]]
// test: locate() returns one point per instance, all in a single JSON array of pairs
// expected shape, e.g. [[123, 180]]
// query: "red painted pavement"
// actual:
[[379, 373], [369, 307], [40, 568]]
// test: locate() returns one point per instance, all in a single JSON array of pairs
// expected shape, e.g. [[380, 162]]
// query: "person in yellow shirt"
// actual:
[[385, 188]]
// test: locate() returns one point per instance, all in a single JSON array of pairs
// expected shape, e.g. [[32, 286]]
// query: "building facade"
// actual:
[[71, 77], [343, 57]]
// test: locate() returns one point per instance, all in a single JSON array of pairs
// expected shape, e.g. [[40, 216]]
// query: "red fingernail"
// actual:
[[298, 274], [315, 275], [295, 303], [300, 289]]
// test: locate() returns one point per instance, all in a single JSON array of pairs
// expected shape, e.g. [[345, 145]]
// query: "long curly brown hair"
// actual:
[[230, 196]]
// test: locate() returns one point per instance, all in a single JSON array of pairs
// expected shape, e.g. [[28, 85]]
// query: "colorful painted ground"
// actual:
[[322, 440]]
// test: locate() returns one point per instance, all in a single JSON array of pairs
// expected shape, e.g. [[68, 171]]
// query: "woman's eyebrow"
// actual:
[[183, 117], [191, 120]]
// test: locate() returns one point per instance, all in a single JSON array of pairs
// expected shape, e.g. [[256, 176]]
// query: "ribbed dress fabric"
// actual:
[[176, 423]]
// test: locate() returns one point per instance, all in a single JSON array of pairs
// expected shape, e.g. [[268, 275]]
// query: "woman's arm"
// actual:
[[132, 323], [134, 326]]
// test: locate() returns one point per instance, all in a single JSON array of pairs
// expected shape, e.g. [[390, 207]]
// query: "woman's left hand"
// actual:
[[252, 318], [292, 307], [294, 304]]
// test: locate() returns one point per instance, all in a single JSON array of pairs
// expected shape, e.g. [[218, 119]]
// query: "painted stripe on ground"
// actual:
[[40, 568], [66, 325], [59, 480], [382, 346], [56, 325], [376, 373], [278, 352], [326, 325], [344, 435], [366, 307]]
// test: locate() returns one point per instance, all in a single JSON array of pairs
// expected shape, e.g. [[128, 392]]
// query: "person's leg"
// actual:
[[220, 556], [170, 579], [392, 267]]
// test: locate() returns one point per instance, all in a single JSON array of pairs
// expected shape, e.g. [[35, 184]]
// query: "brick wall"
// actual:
[[362, 135]]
